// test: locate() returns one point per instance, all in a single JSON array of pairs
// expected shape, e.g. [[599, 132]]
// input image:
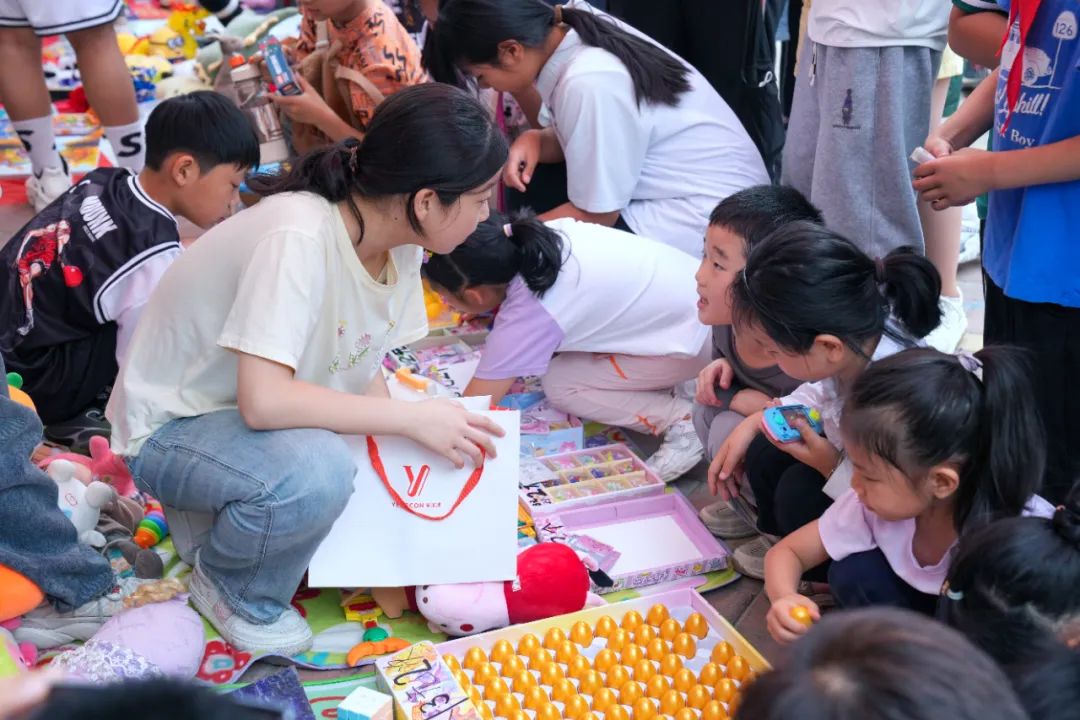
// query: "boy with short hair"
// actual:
[[75, 278], [741, 379]]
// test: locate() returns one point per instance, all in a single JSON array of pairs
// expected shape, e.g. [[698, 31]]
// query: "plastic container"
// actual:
[[251, 97]]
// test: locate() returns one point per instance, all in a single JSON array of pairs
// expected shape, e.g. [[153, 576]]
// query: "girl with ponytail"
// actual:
[[649, 145], [941, 445], [616, 308], [263, 345]]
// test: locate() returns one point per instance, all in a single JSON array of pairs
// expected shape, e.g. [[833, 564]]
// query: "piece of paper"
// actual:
[[374, 543], [645, 543]]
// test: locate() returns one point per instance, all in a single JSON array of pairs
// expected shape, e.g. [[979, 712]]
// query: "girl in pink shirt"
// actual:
[[939, 444]]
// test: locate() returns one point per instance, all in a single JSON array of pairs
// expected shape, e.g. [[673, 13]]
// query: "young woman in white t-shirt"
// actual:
[[649, 145], [607, 318], [265, 340]]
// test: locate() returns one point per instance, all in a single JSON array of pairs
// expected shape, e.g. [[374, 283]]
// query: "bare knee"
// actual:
[[20, 43]]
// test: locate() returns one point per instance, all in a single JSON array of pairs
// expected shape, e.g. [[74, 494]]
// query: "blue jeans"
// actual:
[[274, 496]]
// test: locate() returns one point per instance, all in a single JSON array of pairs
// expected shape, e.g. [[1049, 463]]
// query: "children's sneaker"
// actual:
[[75, 433], [680, 451], [723, 521], [946, 336], [45, 627], [287, 636], [749, 558], [44, 187]]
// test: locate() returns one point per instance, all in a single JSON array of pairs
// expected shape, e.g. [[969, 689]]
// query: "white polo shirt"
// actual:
[[880, 23], [664, 168]]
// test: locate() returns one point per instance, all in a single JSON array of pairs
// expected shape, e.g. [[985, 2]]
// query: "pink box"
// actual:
[[581, 478], [659, 539]]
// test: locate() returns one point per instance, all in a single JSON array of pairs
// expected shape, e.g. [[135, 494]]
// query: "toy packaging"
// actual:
[[423, 686], [546, 431], [281, 75], [584, 477]]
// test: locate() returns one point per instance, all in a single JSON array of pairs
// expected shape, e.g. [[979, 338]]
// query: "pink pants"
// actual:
[[629, 391]]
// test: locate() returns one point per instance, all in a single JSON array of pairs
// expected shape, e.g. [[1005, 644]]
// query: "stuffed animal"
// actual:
[[551, 580], [102, 464], [81, 503], [15, 657], [18, 594], [157, 635]]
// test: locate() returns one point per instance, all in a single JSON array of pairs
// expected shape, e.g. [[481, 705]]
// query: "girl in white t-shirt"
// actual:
[[649, 145], [607, 318], [939, 444], [265, 340]]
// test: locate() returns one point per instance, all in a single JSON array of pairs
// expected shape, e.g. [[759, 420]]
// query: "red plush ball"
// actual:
[[551, 580]]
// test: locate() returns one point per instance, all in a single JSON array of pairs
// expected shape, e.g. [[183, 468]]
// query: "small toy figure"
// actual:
[[81, 503]]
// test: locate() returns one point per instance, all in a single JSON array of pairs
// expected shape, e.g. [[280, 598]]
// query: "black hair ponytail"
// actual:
[[497, 252], [469, 31], [921, 407], [429, 136], [804, 280]]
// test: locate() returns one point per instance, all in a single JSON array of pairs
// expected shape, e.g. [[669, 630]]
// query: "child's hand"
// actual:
[[781, 625], [446, 427], [309, 107], [727, 464], [522, 161], [813, 449], [956, 179], [938, 146], [718, 372]]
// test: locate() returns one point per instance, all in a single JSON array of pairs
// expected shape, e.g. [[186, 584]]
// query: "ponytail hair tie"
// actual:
[[558, 15], [971, 363], [879, 271], [508, 230]]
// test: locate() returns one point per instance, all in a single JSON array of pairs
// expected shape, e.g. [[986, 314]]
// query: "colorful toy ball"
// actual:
[[153, 528]]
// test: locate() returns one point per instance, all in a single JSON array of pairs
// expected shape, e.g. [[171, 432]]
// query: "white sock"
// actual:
[[37, 137], [129, 144]]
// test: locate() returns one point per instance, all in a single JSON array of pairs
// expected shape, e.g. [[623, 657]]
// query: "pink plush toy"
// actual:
[[103, 465], [14, 657], [551, 580], [158, 635]]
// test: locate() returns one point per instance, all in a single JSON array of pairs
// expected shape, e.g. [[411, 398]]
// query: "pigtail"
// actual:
[[541, 252], [912, 286]]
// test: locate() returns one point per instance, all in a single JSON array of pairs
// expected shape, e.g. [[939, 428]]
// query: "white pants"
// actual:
[[55, 17]]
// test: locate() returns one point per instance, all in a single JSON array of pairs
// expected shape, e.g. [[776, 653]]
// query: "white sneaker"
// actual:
[[947, 336], [50, 184], [287, 636], [749, 558], [45, 627], [723, 521], [680, 451]]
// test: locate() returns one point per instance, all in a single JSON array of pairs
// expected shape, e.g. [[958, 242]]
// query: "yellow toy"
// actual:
[[188, 22], [15, 382], [176, 40]]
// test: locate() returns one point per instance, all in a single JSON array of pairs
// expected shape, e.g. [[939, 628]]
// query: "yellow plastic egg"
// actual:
[[501, 650], [617, 639], [684, 679], [563, 689], [656, 650], [644, 634], [553, 638], [548, 711], [710, 674], [737, 668], [686, 714], [657, 686], [749, 678], [671, 664], [539, 658], [684, 645], [551, 673], [461, 678], [451, 662], [484, 711], [630, 693], [590, 682], [512, 666], [506, 704], [616, 677], [565, 652], [496, 688], [722, 653], [725, 690], [604, 698], [696, 625], [644, 709], [484, 673], [605, 660], [475, 696], [588, 716], [616, 712], [669, 629], [801, 615], [578, 667], [698, 696], [518, 715], [631, 653], [733, 706], [474, 657], [644, 670], [523, 681], [713, 710], [535, 697], [657, 614], [631, 620], [575, 706], [527, 644], [671, 702], [604, 626], [581, 633]]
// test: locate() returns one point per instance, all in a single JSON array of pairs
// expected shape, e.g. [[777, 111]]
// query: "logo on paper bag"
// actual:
[[417, 481], [415, 489]]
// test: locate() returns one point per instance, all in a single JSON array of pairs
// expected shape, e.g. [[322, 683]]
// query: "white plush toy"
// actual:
[[81, 503]]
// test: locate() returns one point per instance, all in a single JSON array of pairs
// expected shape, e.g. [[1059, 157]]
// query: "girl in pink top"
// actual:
[[939, 444]]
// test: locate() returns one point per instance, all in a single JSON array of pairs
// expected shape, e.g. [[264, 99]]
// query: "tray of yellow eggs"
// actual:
[[668, 655]]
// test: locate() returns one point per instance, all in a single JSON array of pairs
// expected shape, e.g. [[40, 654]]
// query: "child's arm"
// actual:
[[310, 108], [530, 149], [478, 387], [974, 117], [785, 564], [749, 401], [270, 397], [976, 34], [728, 461], [570, 210]]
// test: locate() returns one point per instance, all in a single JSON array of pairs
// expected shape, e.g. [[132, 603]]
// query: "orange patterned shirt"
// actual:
[[373, 43]]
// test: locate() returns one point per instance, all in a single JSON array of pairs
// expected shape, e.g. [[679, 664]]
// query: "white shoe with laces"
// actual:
[[45, 627], [947, 336], [723, 521], [749, 558], [51, 183], [680, 451]]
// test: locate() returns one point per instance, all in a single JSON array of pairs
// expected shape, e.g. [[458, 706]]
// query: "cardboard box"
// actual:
[[422, 685]]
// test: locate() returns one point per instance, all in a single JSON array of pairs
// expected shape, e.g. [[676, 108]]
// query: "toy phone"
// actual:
[[281, 75], [779, 422]]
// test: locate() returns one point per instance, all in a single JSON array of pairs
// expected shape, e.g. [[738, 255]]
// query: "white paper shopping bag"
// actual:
[[415, 519]]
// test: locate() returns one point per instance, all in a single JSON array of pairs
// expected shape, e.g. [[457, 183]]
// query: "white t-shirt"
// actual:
[[617, 293], [280, 280], [664, 168], [880, 23]]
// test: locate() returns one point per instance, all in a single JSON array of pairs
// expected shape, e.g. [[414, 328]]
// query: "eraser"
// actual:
[[920, 155]]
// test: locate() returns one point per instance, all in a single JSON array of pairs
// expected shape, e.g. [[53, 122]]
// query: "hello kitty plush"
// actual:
[[102, 465], [81, 503]]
